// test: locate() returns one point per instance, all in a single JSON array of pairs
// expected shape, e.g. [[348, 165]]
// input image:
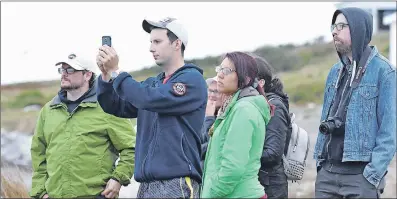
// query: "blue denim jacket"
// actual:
[[370, 133]]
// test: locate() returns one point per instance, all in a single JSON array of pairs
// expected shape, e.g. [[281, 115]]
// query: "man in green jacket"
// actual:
[[76, 144]]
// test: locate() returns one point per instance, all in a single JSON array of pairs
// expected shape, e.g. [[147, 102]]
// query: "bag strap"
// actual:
[[272, 98], [290, 115]]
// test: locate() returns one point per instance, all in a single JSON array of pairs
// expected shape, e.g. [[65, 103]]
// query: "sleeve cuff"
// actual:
[[115, 179], [103, 86], [121, 179], [371, 176], [37, 194], [117, 81], [42, 194]]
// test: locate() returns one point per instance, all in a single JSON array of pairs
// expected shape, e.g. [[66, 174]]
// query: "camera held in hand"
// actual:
[[332, 125]]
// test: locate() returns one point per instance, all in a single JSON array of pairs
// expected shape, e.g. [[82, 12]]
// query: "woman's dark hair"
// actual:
[[246, 67], [265, 72]]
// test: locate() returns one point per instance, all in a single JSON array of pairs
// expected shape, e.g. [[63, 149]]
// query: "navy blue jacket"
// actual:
[[169, 119]]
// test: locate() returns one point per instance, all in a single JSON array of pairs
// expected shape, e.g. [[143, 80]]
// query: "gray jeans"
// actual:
[[174, 188], [332, 185]]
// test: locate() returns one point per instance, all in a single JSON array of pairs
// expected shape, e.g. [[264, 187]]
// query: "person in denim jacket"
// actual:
[[357, 138]]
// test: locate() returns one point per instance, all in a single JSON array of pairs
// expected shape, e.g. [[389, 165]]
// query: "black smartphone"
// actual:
[[107, 40]]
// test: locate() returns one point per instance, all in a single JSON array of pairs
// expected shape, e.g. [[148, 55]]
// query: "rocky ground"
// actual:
[[15, 148]]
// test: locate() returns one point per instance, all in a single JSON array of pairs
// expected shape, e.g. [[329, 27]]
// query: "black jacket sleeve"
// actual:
[[276, 133]]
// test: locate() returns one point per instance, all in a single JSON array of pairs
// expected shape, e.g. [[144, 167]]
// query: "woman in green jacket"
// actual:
[[233, 155]]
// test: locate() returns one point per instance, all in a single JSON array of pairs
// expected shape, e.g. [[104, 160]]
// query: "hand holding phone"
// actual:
[[107, 40], [107, 58]]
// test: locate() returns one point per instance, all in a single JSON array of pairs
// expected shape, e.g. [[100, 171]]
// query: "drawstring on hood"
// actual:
[[361, 27]]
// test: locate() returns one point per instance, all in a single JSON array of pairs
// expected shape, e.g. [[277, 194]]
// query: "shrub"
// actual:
[[307, 92], [28, 97]]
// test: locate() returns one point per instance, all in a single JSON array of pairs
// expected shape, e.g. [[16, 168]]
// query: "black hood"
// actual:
[[361, 26], [190, 65], [90, 95], [284, 98]]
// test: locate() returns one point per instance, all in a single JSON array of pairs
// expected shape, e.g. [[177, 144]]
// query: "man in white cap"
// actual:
[[76, 144], [169, 109]]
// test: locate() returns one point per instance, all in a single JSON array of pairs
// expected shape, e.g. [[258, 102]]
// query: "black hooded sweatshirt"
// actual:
[[360, 25]]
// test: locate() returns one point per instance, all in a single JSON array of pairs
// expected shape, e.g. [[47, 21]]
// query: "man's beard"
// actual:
[[342, 48], [71, 87]]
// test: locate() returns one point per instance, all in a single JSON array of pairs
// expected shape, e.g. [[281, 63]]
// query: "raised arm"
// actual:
[[184, 94], [112, 103]]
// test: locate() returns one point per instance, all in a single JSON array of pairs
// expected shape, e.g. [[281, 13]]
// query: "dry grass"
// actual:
[[18, 120], [12, 184]]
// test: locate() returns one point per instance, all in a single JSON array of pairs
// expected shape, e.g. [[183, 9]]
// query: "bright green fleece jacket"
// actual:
[[233, 156]]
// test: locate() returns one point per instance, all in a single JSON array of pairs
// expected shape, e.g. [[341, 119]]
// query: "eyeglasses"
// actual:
[[224, 70], [69, 70], [339, 26]]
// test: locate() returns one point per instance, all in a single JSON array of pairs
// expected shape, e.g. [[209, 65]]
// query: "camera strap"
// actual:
[[355, 80], [362, 66]]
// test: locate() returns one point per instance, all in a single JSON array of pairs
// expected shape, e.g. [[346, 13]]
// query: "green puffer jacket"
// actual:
[[74, 155], [233, 156]]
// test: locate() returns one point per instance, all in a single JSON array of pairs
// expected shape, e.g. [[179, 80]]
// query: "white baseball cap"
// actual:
[[172, 24], [78, 63], [211, 80]]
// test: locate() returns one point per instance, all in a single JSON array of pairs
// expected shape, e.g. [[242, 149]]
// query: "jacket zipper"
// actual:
[[70, 116], [149, 150], [74, 110], [184, 154]]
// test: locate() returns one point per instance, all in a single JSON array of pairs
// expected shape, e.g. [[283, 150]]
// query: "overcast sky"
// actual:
[[34, 36]]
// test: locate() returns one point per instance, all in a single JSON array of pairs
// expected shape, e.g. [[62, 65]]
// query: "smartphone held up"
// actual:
[[107, 40]]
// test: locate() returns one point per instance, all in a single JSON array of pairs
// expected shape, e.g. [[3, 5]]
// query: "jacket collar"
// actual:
[[90, 101], [245, 92]]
